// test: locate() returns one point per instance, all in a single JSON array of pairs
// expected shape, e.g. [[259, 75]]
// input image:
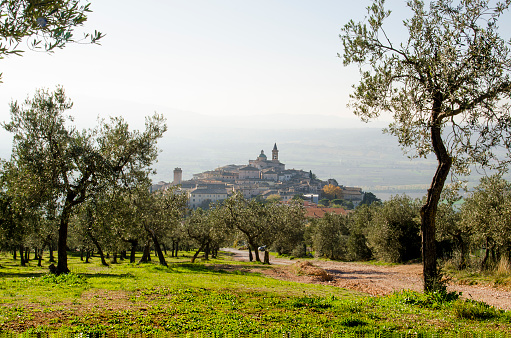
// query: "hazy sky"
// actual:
[[230, 61], [235, 58]]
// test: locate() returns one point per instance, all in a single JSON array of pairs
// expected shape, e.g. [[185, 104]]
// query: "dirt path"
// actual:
[[378, 280]]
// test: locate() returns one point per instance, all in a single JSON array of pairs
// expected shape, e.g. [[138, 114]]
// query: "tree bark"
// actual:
[[22, 258], [40, 258], [62, 246], [114, 258], [489, 247], [197, 253], [250, 257], [266, 257], [52, 257], [256, 251], [206, 252], [463, 251], [146, 254], [96, 243], [431, 274], [157, 248], [134, 244]]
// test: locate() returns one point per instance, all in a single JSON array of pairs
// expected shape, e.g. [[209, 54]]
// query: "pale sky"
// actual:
[[230, 61], [234, 58]]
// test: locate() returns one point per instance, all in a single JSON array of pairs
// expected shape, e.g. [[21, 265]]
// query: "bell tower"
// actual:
[[178, 176], [275, 154]]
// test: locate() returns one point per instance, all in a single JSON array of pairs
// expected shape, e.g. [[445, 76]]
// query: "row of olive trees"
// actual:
[[55, 170], [472, 231], [129, 219], [65, 189], [479, 229], [387, 231], [249, 223]]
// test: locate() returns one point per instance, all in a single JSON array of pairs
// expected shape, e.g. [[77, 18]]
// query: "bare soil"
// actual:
[[375, 279]]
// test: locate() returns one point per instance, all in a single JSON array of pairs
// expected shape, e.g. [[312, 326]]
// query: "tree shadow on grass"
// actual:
[[21, 274], [106, 275], [226, 269]]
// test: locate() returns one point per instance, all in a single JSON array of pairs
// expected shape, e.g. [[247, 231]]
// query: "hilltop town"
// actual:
[[260, 178]]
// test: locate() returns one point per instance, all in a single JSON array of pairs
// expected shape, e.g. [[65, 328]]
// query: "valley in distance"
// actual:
[[359, 157]]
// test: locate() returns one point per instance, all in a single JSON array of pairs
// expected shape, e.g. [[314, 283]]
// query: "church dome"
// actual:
[[262, 156]]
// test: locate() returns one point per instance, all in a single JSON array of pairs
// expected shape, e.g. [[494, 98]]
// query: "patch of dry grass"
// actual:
[[308, 269]]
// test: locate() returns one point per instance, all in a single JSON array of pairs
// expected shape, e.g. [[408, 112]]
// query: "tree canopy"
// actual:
[[53, 164], [46, 25], [447, 86]]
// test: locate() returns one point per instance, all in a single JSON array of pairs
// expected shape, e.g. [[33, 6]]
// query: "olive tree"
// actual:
[[446, 85], [288, 223], [159, 213], [248, 217], [330, 236], [487, 210], [394, 232], [45, 25], [66, 167]]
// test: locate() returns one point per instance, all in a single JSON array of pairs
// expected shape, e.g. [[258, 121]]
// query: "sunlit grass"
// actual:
[[218, 296]]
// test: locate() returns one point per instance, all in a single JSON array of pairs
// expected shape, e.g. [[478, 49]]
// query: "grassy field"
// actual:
[[219, 297]]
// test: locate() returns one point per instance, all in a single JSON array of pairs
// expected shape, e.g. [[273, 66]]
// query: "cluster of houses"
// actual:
[[261, 178]]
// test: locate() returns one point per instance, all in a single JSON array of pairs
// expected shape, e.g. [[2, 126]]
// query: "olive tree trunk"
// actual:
[[197, 253], [96, 243], [146, 254], [432, 278]]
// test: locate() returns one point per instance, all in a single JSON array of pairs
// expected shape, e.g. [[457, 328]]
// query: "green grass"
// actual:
[[217, 297]]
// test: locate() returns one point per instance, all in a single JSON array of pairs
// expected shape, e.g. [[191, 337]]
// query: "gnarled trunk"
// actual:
[[197, 253], [266, 257], [431, 275], [206, 252], [52, 257], [463, 250], [176, 249], [22, 257], [134, 244], [62, 246], [40, 258], [256, 251], [157, 247], [96, 243], [146, 254]]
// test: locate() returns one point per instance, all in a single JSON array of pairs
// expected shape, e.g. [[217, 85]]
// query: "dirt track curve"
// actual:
[[378, 280]]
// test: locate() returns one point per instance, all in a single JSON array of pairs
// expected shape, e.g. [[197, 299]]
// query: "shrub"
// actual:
[[394, 236], [471, 309], [69, 279], [433, 300]]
